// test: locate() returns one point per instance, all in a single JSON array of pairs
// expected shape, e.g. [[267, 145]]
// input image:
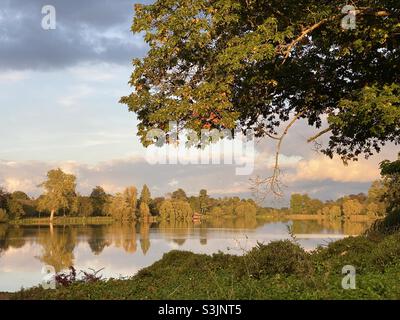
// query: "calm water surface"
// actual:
[[124, 249]]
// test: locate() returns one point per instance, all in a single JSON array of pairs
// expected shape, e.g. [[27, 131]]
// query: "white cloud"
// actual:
[[13, 184], [78, 93], [173, 183], [13, 76], [96, 72], [324, 168]]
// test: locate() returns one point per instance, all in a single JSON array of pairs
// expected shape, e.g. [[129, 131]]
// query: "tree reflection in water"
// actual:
[[57, 243], [58, 246]]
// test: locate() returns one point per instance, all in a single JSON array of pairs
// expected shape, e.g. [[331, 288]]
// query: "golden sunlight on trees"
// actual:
[[59, 192], [264, 65]]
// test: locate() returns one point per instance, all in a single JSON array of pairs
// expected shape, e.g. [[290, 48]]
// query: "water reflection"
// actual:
[[122, 249]]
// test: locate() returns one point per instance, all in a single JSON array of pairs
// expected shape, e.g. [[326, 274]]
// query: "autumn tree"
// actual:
[[167, 210], [204, 201], [145, 195], [119, 208], [59, 192], [245, 209], [182, 210], [144, 203], [179, 194], [217, 211], [259, 64], [130, 195], [298, 202], [351, 207], [144, 211], [84, 206], [99, 199]]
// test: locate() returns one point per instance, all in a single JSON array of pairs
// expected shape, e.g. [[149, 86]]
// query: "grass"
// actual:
[[279, 270], [63, 221]]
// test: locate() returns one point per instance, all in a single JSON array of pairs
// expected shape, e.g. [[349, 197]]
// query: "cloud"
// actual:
[[319, 176], [73, 99], [173, 183], [90, 72], [13, 76], [13, 184], [324, 168], [90, 30]]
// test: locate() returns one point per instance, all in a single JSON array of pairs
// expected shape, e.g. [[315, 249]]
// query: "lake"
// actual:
[[124, 249]]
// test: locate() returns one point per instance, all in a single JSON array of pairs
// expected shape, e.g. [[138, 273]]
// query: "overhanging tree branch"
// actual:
[[273, 183], [313, 138], [360, 11]]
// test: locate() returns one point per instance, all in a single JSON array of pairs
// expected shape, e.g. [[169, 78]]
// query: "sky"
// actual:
[[59, 93]]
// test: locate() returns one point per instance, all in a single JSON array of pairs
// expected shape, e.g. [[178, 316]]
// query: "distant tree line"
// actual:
[[60, 198], [372, 204]]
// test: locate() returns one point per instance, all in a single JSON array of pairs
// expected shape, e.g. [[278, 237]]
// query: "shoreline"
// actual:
[[279, 270], [109, 220]]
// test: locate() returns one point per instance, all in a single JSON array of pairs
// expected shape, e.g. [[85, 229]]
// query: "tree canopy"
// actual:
[[257, 63], [99, 199], [59, 191]]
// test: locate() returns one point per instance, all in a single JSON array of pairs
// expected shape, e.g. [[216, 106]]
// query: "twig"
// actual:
[[272, 183]]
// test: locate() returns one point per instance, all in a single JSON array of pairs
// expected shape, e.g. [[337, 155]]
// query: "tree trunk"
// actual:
[[52, 214], [51, 229]]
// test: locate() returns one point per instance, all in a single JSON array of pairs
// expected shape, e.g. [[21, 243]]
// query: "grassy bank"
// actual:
[[353, 218], [63, 221], [279, 270]]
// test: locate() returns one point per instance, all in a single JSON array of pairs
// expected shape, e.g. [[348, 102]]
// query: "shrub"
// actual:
[[278, 257], [353, 251], [387, 225], [386, 253]]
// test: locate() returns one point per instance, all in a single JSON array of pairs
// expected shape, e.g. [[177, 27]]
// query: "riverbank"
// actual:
[[63, 221], [279, 270], [68, 221], [353, 218], [109, 220]]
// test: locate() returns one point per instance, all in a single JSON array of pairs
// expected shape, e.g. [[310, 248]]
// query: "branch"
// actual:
[[319, 134], [271, 136], [273, 183], [360, 11], [291, 45]]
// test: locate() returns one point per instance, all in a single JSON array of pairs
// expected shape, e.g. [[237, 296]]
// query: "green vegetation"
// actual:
[[371, 205], [279, 270], [223, 63], [61, 200], [64, 221], [60, 192]]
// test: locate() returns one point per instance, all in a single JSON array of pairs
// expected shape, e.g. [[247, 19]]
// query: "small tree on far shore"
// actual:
[[59, 192]]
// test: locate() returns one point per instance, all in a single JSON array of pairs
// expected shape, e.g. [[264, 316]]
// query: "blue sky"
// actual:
[[59, 92]]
